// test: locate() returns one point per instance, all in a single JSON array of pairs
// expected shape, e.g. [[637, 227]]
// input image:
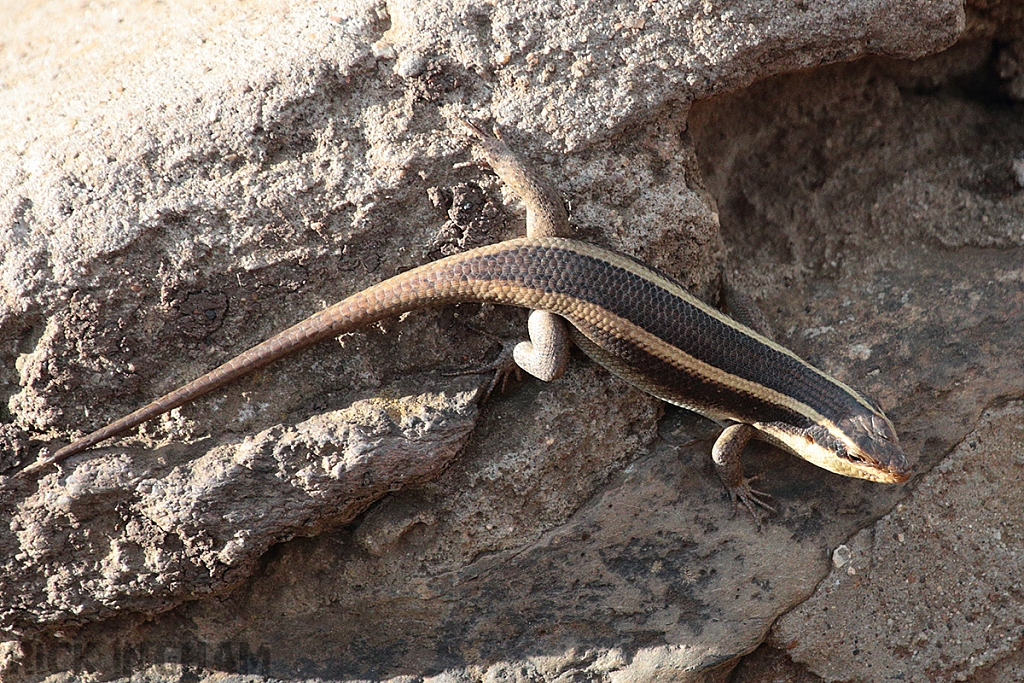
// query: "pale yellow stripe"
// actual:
[[676, 290]]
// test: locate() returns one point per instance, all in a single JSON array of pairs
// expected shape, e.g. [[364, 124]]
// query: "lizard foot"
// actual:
[[753, 501], [503, 367]]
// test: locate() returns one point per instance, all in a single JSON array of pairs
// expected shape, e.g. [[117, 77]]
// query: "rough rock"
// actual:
[[933, 590], [178, 183], [147, 531], [890, 207]]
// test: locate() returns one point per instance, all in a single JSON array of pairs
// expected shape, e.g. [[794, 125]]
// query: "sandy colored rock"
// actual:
[[943, 279], [932, 591], [179, 183]]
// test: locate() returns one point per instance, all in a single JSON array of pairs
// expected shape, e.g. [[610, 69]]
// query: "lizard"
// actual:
[[641, 325]]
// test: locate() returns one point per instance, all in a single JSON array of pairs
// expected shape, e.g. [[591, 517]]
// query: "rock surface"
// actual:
[[891, 205], [933, 590], [177, 184]]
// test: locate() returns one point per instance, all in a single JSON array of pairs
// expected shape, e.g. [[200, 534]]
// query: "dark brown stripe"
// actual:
[[669, 317], [681, 387]]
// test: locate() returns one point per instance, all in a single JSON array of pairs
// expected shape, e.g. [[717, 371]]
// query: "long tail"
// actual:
[[471, 276], [639, 324]]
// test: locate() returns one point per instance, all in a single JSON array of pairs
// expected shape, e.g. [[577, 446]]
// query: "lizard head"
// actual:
[[872, 449], [863, 445]]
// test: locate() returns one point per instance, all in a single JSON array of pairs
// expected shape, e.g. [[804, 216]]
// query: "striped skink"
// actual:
[[636, 322]]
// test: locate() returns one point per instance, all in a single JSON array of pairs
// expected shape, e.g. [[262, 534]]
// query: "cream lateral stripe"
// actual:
[[675, 356], [650, 275], [679, 358], [590, 314]]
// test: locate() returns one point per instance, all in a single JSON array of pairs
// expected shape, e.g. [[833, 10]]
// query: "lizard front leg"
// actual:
[[725, 454], [546, 355]]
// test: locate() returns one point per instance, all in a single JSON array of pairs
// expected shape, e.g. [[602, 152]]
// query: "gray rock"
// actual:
[[177, 184], [930, 592]]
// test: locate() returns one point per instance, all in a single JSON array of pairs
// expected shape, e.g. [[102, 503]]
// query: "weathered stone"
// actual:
[[178, 183]]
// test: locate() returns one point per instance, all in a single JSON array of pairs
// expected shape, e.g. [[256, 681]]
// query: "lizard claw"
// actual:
[[503, 367], [478, 132], [745, 497]]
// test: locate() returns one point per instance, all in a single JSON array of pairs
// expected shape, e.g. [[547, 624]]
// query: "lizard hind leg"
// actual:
[[547, 353]]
